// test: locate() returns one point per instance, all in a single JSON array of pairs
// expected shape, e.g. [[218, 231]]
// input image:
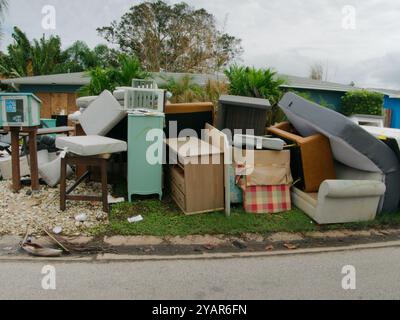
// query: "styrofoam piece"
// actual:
[[6, 167]]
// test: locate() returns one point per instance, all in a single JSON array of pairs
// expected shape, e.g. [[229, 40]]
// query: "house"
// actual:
[[392, 103], [58, 92]]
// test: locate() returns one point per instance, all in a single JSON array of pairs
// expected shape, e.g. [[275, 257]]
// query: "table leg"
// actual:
[[16, 173], [104, 187], [33, 160]]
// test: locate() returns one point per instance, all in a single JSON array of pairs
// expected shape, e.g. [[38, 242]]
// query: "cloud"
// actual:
[[288, 35]]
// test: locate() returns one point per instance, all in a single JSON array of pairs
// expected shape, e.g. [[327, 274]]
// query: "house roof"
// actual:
[[75, 78], [80, 79], [388, 92], [306, 83]]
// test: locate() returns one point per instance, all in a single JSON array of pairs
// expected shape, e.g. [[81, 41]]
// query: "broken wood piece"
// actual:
[[39, 251]]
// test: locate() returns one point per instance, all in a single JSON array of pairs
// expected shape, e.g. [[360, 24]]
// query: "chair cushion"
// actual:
[[91, 145], [102, 115]]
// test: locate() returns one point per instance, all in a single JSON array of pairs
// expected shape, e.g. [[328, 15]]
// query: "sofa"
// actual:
[[351, 145], [355, 196]]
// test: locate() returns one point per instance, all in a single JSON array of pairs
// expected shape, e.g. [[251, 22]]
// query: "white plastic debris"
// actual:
[[57, 230], [135, 219], [81, 217], [112, 200]]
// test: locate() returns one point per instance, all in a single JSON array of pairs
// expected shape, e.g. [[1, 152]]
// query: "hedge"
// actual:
[[362, 102]]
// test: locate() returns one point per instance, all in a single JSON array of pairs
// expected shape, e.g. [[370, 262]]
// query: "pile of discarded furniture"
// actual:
[[327, 165]]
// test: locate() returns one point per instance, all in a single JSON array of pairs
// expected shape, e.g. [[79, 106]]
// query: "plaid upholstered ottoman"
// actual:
[[267, 199]]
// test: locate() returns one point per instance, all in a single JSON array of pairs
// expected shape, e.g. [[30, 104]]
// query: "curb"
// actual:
[[108, 258]]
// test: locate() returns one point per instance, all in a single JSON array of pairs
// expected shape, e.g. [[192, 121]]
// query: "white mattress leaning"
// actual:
[[91, 145]]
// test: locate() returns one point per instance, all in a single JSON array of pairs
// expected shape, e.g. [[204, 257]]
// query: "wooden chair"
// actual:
[[89, 162]]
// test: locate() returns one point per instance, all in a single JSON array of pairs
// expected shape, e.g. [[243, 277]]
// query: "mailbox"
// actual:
[[19, 110]]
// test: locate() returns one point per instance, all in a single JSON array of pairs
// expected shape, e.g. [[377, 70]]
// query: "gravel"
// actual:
[[36, 210]]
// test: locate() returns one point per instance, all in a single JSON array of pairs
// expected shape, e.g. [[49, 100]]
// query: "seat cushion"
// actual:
[[102, 115], [91, 145]]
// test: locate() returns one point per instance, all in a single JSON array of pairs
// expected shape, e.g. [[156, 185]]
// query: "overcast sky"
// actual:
[[288, 35]]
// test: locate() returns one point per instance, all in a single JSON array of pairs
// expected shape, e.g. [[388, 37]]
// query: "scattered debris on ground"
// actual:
[[18, 210]]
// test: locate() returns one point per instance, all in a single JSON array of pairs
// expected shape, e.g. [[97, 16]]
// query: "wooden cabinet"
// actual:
[[196, 175]]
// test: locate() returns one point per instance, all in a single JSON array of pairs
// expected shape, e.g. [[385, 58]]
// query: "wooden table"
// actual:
[[32, 133]]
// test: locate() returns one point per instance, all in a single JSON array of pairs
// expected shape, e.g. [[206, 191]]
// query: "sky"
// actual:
[[354, 40]]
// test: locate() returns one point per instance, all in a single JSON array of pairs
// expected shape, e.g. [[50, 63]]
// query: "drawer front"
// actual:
[[177, 178], [178, 196]]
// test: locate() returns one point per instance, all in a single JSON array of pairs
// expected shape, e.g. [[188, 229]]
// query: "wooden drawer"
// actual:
[[178, 196], [178, 177]]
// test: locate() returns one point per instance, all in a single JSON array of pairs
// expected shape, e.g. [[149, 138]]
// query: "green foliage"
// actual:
[[185, 91], [45, 56], [109, 78], [257, 83], [362, 102], [173, 37]]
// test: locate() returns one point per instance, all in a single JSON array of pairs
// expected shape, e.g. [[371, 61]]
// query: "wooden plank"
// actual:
[[59, 103], [45, 111]]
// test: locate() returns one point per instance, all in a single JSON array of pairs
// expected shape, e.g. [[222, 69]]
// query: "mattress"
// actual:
[[351, 145], [102, 115], [91, 145]]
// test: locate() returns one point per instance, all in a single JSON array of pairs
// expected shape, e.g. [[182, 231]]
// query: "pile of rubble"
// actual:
[[41, 210]]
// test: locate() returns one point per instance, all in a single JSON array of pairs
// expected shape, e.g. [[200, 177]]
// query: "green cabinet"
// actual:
[[145, 154]]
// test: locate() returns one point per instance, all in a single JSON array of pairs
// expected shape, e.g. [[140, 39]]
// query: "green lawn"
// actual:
[[165, 219]]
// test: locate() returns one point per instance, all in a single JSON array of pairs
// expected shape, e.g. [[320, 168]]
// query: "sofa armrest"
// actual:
[[351, 189]]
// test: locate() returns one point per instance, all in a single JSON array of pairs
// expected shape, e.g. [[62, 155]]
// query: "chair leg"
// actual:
[[104, 185], [63, 184]]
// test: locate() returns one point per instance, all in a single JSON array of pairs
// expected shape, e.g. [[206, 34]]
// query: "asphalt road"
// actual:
[[312, 276]]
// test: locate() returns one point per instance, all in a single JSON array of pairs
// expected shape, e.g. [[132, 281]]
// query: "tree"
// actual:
[[79, 57], [176, 38], [317, 71], [45, 56], [3, 8], [28, 59]]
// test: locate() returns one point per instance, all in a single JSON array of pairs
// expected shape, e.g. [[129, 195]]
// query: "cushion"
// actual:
[[84, 102], [50, 172], [102, 115], [351, 145], [91, 145]]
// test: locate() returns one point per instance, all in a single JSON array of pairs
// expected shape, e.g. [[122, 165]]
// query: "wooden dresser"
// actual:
[[197, 185]]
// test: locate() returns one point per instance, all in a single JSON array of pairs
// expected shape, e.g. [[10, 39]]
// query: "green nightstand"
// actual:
[[145, 177]]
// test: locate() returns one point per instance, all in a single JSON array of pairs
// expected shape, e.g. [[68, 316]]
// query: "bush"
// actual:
[[185, 91], [129, 67], [362, 102], [257, 83]]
